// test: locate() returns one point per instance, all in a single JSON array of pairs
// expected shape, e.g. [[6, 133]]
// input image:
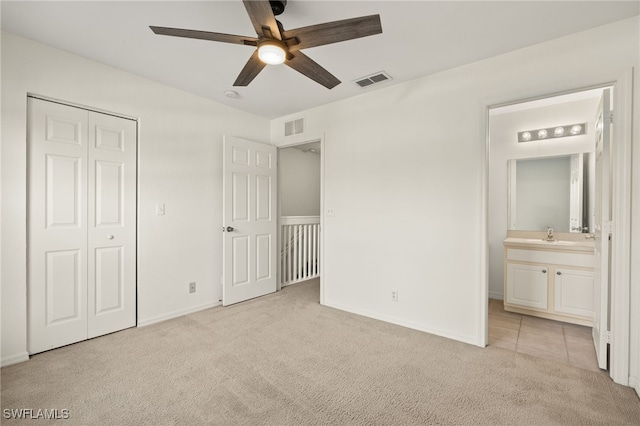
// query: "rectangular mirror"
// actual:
[[551, 192]]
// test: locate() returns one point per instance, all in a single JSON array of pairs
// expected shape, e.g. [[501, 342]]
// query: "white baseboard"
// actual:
[[176, 314], [14, 359], [495, 295], [471, 340]]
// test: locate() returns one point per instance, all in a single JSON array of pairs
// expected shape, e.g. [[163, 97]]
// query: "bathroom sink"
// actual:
[[558, 241]]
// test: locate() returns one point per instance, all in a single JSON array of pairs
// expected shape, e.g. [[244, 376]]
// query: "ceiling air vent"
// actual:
[[376, 78], [294, 127]]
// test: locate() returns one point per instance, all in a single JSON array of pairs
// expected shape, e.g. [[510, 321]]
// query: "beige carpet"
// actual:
[[285, 360]]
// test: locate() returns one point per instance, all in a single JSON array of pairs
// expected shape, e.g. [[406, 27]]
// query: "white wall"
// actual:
[[299, 182], [404, 172], [504, 147], [180, 164]]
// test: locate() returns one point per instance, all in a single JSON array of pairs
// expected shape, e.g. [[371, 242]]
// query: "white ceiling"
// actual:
[[419, 38], [593, 94], [311, 147]]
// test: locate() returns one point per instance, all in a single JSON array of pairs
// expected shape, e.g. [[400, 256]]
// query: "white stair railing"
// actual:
[[299, 249]]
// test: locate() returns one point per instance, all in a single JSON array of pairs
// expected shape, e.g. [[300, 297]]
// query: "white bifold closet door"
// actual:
[[81, 224]]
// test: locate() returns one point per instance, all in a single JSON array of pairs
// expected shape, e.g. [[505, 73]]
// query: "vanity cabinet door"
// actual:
[[527, 285], [574, 291]]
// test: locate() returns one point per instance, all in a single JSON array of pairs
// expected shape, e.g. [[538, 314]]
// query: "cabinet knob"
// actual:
[[558, 273], [544, 271]]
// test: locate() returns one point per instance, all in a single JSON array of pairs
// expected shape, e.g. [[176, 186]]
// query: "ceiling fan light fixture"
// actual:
[[275, 45], [271, 52]]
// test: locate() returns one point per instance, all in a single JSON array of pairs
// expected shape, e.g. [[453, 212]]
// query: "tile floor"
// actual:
[[557, 341]]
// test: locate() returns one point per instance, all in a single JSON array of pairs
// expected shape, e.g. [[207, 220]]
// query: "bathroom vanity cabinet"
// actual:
[[552, 280]]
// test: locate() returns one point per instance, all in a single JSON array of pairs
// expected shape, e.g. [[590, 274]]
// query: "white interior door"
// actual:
[[57, 217], [249, 220], [602, 226], [81, 224], [112, 221]]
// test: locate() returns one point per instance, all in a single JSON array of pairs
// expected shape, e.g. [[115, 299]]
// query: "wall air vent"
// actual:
[[294, 127], [376, 78]]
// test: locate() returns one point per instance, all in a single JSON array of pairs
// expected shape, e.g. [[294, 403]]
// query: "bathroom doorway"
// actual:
[[541, 184]]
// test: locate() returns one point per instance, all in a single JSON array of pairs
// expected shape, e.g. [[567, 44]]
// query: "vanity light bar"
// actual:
[[552, 132]]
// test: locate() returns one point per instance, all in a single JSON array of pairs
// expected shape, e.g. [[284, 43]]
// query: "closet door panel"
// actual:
[[112, 220], [57, 217]]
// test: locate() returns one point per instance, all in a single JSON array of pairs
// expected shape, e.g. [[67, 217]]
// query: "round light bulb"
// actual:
[[526, 136], [576, 129], [542, 134], [559, 131], [271, 53]]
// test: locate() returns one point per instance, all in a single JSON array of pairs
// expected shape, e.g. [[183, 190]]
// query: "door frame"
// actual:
[[621, 217], [322, 162], [137, 180]]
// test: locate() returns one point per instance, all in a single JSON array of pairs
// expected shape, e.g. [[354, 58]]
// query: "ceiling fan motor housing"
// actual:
[[277, 6]]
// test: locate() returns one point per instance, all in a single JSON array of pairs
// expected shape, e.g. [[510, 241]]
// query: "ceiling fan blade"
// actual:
[[334, 32], [251, 69], [205, 35], [262, 17], [307, 66]]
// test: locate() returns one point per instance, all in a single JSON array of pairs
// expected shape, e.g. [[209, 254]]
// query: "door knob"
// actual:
[[558, 273], [109, 237], [544, 271], [229, 229]]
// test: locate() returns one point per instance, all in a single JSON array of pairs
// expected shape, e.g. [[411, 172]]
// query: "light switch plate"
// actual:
[[160, 209]]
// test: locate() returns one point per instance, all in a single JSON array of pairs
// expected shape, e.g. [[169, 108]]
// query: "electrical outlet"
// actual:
[[331, 212], [394, 295], [192, 287]]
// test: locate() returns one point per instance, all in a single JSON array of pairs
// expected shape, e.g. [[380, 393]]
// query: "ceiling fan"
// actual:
[[275, 45]]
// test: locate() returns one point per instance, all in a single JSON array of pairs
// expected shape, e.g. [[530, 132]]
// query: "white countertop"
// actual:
[[539, 243]]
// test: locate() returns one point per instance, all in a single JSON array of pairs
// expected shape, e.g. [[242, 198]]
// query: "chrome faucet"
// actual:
[[549, 233]]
